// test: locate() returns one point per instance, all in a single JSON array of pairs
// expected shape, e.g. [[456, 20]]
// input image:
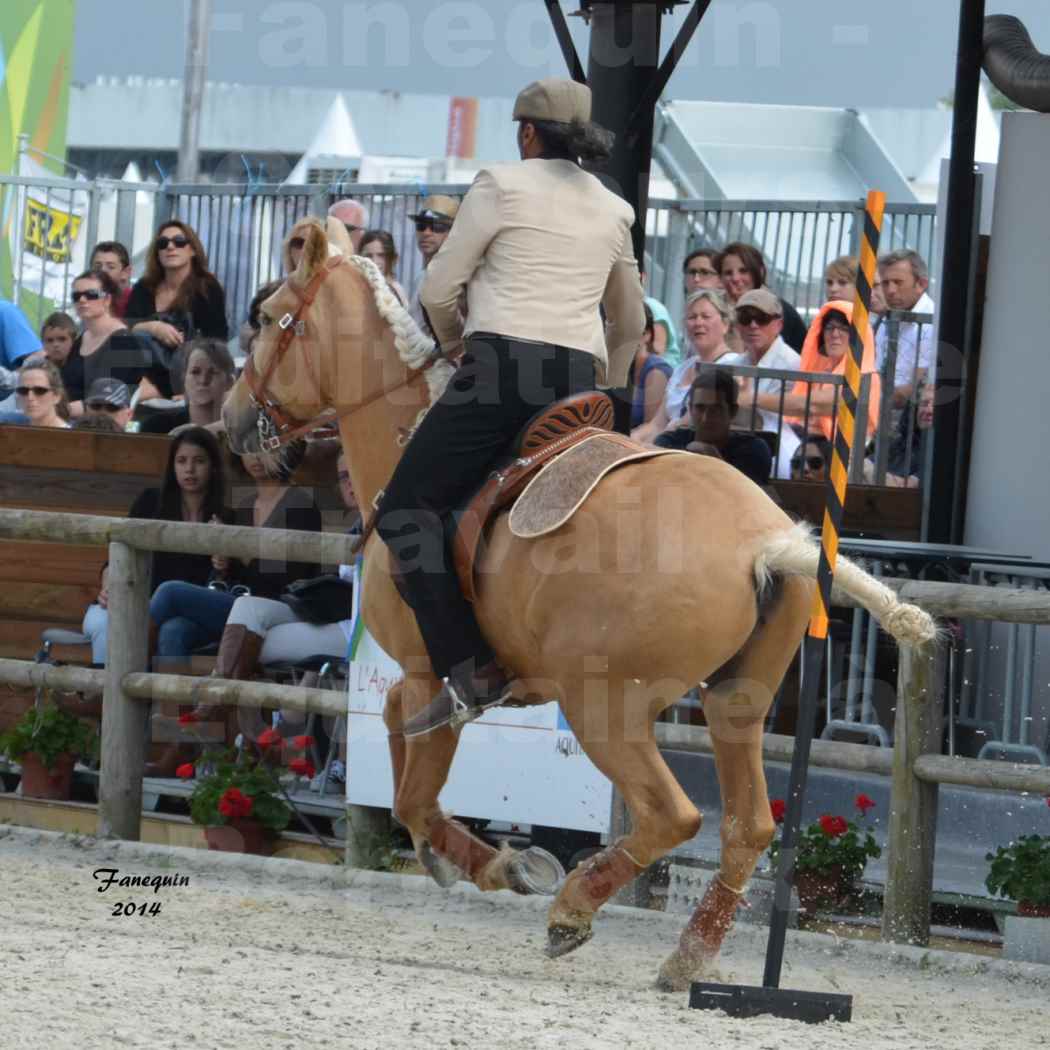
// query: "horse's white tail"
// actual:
[[796, 552]]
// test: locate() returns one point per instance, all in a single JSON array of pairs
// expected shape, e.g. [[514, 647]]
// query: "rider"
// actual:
[[539, 246]]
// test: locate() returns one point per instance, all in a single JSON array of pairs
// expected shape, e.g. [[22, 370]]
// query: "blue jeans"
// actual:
[[188, 616]]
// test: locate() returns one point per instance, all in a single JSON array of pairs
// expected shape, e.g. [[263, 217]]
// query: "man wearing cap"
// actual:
[[540, 248], [760, 321], [433, 225], [109, 397]]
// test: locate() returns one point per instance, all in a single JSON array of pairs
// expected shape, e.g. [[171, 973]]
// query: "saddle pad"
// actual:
[[555, 494]]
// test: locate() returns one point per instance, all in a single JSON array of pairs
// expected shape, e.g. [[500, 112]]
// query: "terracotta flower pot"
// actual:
[[240, 836], [825, 888], [38, 781], [1031, 910]]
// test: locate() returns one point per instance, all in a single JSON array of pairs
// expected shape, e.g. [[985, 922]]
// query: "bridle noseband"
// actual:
[[276, 426]]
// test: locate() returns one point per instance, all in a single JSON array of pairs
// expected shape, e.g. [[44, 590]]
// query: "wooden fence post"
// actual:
[[123, 718], [913, 803]]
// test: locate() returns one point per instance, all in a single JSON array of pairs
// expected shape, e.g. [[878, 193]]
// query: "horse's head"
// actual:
[[286, 382]]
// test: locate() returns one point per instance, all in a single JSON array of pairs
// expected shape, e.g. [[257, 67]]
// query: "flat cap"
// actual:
[[761, 299], [556, 98]]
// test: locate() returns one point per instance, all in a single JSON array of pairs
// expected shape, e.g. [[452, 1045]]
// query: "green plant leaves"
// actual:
[[47, 734]]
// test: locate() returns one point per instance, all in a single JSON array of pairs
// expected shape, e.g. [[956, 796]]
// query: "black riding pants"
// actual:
[[500, 384]]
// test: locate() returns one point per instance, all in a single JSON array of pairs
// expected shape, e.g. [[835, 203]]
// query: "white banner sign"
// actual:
[[519, 765]]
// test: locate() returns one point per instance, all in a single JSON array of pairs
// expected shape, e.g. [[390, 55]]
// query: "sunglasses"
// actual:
[[91, 294], [432, 224], [103, 406], [748, 316], [813, 462], [840, 328], [37, 391], [171, 242], [706, 272]]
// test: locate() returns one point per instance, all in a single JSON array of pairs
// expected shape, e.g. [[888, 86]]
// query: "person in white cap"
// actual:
[[540, 247]]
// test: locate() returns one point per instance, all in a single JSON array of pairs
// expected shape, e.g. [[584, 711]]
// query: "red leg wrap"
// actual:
[[595, 881], [451, 840], [712, 919]]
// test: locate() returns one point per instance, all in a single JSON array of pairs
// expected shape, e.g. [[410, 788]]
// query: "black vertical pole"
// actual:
[[938, 524], [623, 58]]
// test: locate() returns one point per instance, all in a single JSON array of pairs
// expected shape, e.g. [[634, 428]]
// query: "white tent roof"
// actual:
[[336, 137]]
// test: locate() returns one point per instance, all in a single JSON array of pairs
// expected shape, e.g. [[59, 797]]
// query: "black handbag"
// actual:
[[320, 600]]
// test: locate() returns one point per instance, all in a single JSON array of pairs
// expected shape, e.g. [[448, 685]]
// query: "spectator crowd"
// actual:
[[742, 376]]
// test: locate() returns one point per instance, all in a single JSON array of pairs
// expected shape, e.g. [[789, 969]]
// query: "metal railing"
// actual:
[[789, 431], [797, 238], [242, 227]]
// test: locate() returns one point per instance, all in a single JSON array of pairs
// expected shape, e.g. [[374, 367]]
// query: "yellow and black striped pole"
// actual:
[[818, 623]]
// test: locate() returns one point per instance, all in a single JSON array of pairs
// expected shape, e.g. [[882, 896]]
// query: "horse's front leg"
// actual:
[[446, 848]]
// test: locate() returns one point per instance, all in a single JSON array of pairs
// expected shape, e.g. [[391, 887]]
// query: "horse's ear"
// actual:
[[338, 236], [315, 251]]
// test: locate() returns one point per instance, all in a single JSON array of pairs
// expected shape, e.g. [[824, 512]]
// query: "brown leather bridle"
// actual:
[[276, 426]]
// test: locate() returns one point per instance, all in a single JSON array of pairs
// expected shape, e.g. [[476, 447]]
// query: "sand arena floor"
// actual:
[[269, 954]]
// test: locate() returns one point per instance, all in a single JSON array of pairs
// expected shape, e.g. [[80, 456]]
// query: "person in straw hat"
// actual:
[[540, 247]]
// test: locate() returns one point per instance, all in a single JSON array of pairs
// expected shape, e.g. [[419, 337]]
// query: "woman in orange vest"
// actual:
[[811, 407]]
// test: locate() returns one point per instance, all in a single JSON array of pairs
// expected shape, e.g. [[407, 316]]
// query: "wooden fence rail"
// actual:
[[916, 766]]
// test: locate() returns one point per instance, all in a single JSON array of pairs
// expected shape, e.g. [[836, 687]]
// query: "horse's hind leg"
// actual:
[[662, 816], [735, 708]]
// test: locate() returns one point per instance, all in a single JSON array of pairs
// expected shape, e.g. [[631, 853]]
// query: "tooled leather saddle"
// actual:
[[581, 424]]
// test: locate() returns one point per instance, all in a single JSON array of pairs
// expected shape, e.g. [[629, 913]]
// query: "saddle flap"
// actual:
[[552, 497]]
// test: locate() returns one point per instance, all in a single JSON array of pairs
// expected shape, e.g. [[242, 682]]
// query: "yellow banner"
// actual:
[[50, 232]]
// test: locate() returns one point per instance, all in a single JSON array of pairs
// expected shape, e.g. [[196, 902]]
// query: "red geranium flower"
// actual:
[[268, 737], [187, 719], [833, 827], [235, 803], [301, 743], [863, 803], [185, 771], [303, 766], [778, 807]]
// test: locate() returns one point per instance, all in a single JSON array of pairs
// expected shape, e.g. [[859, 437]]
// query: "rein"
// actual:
[[276, 426]]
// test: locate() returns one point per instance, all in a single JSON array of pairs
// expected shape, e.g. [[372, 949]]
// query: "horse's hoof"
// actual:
[[678, 972], [440, 869], [564, 939], [535, 871]]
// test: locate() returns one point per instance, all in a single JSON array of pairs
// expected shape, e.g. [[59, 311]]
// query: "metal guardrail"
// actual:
[[797, 238], [242, 227]]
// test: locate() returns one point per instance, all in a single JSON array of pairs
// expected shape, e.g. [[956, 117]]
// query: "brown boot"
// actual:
[[237, 659], [238, 656]]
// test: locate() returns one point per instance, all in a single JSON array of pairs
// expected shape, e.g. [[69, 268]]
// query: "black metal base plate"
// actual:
[[740, 1000]]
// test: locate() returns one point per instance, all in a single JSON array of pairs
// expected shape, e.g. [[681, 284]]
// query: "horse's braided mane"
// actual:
[[414, 346]]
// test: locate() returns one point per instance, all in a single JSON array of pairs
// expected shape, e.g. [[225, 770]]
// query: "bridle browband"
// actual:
[[276, 426]]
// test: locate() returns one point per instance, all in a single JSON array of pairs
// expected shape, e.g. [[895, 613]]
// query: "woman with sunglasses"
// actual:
[[41, 395], [378, 245], [810, 461], [94, 294], [178, 297]]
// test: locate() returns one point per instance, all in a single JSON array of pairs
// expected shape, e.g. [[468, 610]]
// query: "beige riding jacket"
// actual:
[[539, 246]]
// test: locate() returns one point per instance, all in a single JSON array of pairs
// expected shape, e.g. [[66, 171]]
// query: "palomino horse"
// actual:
[[676, 571]]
